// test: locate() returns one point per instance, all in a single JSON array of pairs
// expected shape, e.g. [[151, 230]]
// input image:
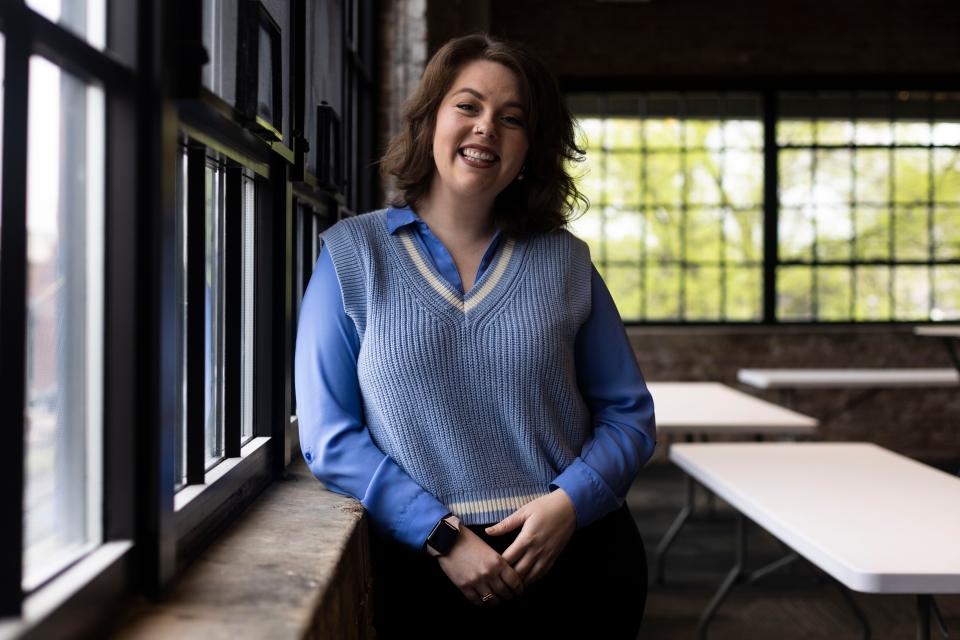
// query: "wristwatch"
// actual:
[[443, 536]]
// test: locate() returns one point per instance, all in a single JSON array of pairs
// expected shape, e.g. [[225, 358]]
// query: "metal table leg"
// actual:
[[733, 576], [923, 617], [926, 605], [737, 575], [673, 531]]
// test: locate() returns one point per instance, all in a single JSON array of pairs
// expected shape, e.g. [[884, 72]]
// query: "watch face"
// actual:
[[443, 537]]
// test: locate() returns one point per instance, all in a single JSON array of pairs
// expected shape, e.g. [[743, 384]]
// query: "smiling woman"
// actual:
[[461, 369]]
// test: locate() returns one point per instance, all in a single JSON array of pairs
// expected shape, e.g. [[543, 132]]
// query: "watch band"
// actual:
[[444, 536]]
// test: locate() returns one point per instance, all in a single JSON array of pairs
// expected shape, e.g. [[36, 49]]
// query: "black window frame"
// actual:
[[155, 100], [770, 90], [106, 570]]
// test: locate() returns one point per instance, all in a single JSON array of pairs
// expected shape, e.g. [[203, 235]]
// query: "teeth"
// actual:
[[479, 155]]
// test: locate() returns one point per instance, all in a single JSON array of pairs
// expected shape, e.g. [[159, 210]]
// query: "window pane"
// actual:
[[743, 303], [911, 235], [249, 287], [664, 179], [622, 133], [873, 293], [265, 107], [663, 238], [704, 235], [834, 233], [213, 313], [946, 175], [911, 293], [834, 293], [589, 228], [796, 234], [794, 301], [796, 174], [703, 293], [220, 41], [743, 236], [946, 293], [86, 18], [911, 179], [873, 233], [622, 179], [662, 292], [624, 285], [947, 233], [624, 233], [64, 341]]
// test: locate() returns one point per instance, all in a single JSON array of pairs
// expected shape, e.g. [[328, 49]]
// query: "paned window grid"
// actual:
[[637, 279], [881, 243]]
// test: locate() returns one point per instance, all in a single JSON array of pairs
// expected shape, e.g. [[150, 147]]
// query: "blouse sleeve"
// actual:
[[624, 428], [333, 435]]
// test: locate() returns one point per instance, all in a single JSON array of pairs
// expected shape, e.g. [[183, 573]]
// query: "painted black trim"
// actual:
[[233, 312], [195, 329], [13, 309]]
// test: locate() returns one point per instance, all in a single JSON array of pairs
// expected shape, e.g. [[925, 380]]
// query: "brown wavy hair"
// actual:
[[547, 198]]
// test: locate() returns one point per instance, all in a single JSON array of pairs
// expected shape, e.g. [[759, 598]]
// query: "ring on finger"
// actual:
[[487, 597]]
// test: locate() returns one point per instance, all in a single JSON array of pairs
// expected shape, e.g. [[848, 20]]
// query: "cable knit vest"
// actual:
[[475, 395]]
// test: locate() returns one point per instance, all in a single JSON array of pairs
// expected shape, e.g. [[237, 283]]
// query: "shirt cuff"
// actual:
[[591, 495], [419, 519]]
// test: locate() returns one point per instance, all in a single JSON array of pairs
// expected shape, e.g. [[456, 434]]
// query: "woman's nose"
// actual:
[[486, 128]]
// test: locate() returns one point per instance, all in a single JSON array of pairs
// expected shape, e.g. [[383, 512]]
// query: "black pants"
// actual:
[[598, 585]]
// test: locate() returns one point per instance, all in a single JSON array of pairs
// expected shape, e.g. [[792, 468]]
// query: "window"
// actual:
[[85, 18], [248, 295], [145, 357], [869, 222], [180, 319], [213, 312], [215, 249], [867, 218], [64, 338], [310, 221], [675, 184], [220, 41]]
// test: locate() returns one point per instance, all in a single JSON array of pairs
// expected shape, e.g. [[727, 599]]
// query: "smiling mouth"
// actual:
[[478, 157]]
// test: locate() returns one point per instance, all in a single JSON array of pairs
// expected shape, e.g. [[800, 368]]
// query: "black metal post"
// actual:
[[13, 307]]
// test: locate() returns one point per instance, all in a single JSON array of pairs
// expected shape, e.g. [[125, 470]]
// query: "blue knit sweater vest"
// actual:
[[474, 396]]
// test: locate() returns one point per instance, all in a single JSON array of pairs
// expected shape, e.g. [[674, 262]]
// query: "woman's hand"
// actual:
[[477, 569], [548, 524]]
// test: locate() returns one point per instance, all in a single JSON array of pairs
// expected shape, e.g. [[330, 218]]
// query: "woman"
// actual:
[[461, 370]]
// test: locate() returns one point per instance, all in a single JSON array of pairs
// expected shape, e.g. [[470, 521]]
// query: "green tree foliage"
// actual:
[[676, 218]]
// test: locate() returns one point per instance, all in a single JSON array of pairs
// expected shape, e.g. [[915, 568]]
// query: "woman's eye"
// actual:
[[513, 120], [465, 105]]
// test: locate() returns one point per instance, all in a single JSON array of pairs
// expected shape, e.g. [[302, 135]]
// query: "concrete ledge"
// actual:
[[296, 564]]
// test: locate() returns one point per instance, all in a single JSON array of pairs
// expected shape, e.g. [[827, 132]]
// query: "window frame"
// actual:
[[56, 606], [769, 90], [150, 530]]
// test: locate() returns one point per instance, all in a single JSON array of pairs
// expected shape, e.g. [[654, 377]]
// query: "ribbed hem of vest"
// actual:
[[492, 506]]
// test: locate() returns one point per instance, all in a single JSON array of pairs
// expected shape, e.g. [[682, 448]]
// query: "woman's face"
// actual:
[[480, 138]]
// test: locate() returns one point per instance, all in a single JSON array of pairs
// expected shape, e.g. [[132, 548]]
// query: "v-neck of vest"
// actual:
[[443, 296]]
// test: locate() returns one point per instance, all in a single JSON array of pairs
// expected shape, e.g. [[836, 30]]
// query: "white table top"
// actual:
[[839, 378], [876, 521], [951, 331], [711, 407]]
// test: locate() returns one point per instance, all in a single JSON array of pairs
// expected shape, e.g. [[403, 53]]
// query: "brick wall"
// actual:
[[587, 39], [923, 423]]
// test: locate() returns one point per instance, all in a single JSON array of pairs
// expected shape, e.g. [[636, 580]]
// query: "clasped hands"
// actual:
[[547, 524]]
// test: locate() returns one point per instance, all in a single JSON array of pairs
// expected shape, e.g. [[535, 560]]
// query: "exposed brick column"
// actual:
[[403, 34]]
